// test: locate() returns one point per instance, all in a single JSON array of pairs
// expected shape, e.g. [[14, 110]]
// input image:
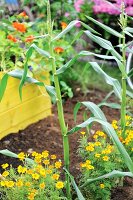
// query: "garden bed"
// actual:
[[30, 139]]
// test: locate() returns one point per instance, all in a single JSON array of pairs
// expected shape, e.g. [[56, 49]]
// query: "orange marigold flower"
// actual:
[[10, 37], [58, 50], [63, 25], [19, 26], [23, 14], [29, 38]]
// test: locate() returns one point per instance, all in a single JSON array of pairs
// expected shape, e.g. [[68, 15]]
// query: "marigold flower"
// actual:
[[102, 186], [42, 185], [35, 176], [114, 124], [21, 156], [53, 157], [31, 196], [28, 184], [30, 38], [97, 155], [45, 154], [58, 50], [43, 172], [9, 184], [55, 176], [46, 162], [58, 164], [59, 185], [89, 148], [63, 25], [21, 169], [105, 158], [5, 173], [4, 166], [19, 26], [19, 183], [97, 143], [23, 14], [82, 133], [12, 38], [90, 167]]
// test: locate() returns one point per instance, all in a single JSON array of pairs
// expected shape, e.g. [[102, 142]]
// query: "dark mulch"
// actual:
[[45, 135]]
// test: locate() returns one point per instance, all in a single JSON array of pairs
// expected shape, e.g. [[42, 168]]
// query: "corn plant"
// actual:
[[99, 117]]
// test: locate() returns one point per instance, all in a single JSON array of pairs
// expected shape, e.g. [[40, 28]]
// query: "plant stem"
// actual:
[[123, 104], [59, 105]]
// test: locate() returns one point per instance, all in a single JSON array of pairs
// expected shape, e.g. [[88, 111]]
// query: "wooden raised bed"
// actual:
[[15, 114]]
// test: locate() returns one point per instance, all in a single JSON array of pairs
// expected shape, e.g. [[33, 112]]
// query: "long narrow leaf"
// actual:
[[3, 84], [79, 194], [106, 28], [6, 152], [111, 81], [114, 173]]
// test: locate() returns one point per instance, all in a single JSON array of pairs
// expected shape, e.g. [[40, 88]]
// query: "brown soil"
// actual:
[[45, 135]]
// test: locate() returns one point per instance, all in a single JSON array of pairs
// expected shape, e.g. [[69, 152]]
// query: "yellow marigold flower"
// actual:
[[97, 155], [4, 166], [21, 169], [45, 154], [114, 124], [46, 162], [31, 196], [90, 167], [83, 165], [38, 160], [49, 171], [100, 133], [59, 185], [89, 148], [63, 25], [95, 136], [105, 158], [82, 133], [53, 157], [42, 185], [43, 172], [9, 184], [127, 117], [21, 156], [28, 184], [3, 183], [34, 153], [5, 173], [29, 171], [35, 176], [51, 166], [88, 162], [19, 183], [102, 186], [55, 176], [58, 164], [97, 143]]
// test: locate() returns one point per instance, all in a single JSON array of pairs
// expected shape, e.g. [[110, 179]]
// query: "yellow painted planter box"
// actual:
[[15, 114]]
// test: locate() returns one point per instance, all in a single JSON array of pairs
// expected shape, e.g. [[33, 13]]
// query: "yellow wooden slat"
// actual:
[[25, 123], [23, 111]]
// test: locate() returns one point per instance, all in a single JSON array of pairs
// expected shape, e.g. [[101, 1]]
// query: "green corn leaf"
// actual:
[[114, 173], [3, 84], [76, 108], [126, 32], [130, 94], [104, 44], [79, 34], [6, 152], [130, 74], [70, 26], [17, 73], [111, 81], [106, 28], [82, 54], [129, 29], [100, 118], [41, 51], [79, 194], [110, 105]]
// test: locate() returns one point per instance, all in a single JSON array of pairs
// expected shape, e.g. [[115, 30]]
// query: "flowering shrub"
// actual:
[[39, 181], [101, 156]]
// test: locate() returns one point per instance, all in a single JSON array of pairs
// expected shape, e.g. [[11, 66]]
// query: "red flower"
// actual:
[[29, 38], [19, 27], [63, 25], [10, 37], [58, 50], [23, 14]]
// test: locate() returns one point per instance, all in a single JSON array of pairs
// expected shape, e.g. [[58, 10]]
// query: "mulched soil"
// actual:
[[45, 135]]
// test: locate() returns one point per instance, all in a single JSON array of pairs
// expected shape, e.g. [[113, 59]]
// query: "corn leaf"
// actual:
[[6, 152], [106, 28], [3, 84], [114, 173], [79, 194]]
